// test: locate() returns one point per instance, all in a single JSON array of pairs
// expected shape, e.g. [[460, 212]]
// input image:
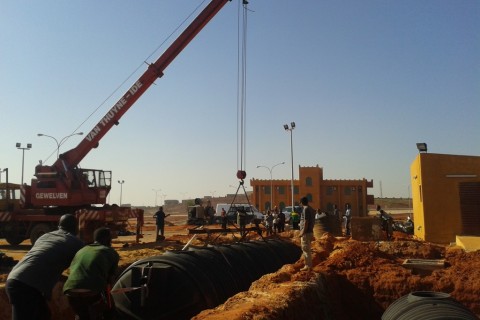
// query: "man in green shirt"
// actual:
[[92, 271]]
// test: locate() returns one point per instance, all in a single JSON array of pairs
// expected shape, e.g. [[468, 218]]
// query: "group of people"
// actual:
[[274, 221], [93, 269]]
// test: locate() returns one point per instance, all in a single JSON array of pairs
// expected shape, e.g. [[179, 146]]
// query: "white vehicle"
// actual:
[[231, 210], [288, 211]]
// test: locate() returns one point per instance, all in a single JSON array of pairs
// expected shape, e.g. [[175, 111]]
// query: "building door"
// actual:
[[470, 208]]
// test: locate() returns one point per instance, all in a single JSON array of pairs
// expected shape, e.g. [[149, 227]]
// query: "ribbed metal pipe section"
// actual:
[[180, 284], [427, 305]]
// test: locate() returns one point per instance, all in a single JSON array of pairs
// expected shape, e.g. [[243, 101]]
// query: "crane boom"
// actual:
[[65, 185], [74, 156]]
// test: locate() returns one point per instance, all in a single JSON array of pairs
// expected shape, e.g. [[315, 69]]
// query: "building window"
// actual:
[[267, 205], [347, 191], [295, 190], [281, 190], [267, 190], [309, 197], [331, 190], [308, 181], [282, 205]]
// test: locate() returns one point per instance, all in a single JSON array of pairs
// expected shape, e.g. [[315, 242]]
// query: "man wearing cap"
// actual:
[[92, 273], [30, 283]]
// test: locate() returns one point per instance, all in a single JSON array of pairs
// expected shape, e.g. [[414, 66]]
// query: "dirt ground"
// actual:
[[350, 279]]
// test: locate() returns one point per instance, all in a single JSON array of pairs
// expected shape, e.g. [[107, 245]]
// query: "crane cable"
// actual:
[[242, 89], [134, 72]]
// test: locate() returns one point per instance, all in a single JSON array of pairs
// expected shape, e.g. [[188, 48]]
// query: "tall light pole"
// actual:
[[121, 190], [7, 195], [28, 147], [287, 128], [271, 180], [61, 141], [156, 194], [164, 197]]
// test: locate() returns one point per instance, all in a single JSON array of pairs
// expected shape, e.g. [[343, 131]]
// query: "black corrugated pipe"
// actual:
[[180, 284], [427, 305]]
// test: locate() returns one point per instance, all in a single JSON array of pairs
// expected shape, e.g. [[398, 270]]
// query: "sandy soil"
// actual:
[[365, 276]]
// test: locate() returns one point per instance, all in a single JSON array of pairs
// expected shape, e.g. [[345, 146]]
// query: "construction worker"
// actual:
[[30, 283], [160, 223], [92, 273], [307, 222]]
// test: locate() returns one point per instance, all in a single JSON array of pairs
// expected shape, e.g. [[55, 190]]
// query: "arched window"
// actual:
[[309, 197]]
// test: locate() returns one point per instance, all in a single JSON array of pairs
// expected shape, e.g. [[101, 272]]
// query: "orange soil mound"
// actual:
[[351, 279]]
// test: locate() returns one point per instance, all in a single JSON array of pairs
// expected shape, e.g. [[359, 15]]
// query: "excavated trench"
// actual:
[[350, 280]]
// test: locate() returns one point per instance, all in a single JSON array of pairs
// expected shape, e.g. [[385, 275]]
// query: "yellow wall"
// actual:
[[435, 180]]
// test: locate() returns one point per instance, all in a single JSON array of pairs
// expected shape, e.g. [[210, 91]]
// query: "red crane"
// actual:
[[64, 187]]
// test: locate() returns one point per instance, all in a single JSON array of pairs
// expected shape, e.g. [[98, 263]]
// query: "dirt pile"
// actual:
[[350, 279], [354, 280]]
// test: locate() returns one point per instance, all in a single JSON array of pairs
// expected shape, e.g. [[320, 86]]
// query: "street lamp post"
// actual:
[[156, 194], [28, 147], [7, 195], [121, 190], [287, 128], [61, 141], [271, 180]]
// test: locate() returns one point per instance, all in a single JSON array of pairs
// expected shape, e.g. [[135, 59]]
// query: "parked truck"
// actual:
[[28, 211]]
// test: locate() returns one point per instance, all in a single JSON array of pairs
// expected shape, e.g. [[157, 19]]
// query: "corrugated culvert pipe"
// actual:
[[180, 284], [427, 305]]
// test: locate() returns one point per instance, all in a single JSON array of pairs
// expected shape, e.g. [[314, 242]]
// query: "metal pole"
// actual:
[[271, 180], [28, 147], [291, 151], [23, 162], [121, 190], [287, 128]]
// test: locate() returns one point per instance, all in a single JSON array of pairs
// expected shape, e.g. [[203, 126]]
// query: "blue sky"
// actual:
[[363, 81]]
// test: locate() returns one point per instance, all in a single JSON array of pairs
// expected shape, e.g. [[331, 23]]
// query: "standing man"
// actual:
[[30, 283], [209, 213], [306, 232], [92, 273], [281, 221], [160, 222], [224, 219], [348, 218]]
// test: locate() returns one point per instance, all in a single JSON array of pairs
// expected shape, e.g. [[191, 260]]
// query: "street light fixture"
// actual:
[[61, 141], [28, 147], [287, 128], [271, 180], [121, 190], [422, 147]]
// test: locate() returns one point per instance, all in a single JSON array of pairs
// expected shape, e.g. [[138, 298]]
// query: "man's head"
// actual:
[[103, 236], [68, 222], [304, 201]]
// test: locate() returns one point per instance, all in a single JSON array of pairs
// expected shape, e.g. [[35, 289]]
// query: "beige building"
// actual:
[[322, 194], [446, 196]]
